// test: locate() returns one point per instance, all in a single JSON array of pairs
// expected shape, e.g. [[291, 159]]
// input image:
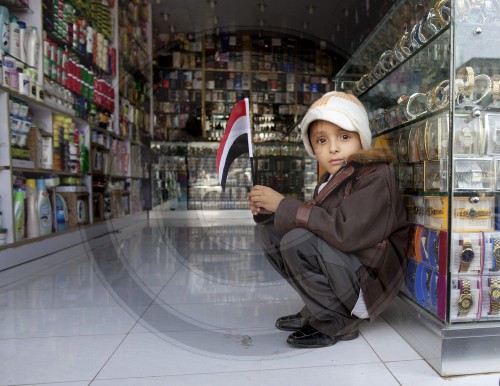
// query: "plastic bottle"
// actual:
[[14, 42], [22, 37], [32, 219], [44, 208], [32, 46], [4, 28], [61, 213], [19, 214]]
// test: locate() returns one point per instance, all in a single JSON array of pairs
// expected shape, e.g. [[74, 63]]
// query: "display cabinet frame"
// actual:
[[431, 88]]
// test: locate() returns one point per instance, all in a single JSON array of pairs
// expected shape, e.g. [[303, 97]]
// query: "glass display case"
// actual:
[[431, 84]]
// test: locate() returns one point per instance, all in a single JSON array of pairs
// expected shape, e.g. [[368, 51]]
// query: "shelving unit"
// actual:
[[200, 78], [204, 76], [99, 164]]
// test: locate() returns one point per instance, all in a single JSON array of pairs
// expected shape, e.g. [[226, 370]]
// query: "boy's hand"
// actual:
[[263, 198]]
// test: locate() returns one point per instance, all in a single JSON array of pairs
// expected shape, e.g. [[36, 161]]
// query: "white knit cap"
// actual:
[[344, 110]]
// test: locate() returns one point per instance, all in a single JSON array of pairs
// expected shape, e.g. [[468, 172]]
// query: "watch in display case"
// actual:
[[465, 301], [496, 254], [403, 147], [466, 255], [494, 296], [492, 129], [473, 173], [472, 213]]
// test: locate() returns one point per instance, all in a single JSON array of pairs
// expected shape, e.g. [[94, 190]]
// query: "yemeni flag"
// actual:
[[237, 140]]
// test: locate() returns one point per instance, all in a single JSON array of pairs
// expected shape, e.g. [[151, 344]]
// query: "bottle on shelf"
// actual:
[[31, 46], [22, 37], [19, 214], [4, 29], [44, 208], [32, 219], [14, 38]]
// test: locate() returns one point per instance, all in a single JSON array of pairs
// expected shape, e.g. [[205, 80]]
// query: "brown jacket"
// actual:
[[363, 215]]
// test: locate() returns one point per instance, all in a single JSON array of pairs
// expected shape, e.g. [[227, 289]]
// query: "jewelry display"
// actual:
[[496, 254], [494, 296], [466, 139], [416, 105], [464, 85], [438, 96], [388, 60], [465, 301], [442, 12], [435, 178], [482, 87], [492, 128], [472, 214], [418, 176], [495, 90], [403, 147], [468, 175]]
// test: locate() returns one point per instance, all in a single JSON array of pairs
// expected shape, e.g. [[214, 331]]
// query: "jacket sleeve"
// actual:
[[361, 220]]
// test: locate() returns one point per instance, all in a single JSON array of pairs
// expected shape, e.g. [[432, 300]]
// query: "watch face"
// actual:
[[465, 303], [496, 252], [467, 255], [495, 294]]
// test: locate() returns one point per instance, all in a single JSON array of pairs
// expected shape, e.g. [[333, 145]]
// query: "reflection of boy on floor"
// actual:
[[345, 253]]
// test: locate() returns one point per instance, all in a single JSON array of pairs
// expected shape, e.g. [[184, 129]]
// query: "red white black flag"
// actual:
[[237, 140]]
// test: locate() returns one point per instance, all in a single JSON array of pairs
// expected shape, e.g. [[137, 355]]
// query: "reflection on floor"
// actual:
[[187, 298]]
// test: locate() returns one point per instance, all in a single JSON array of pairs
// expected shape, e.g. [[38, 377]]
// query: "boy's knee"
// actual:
[[295, 237]]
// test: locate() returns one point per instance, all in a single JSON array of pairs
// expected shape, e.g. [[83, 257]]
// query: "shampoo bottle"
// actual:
[[22, 37], [19, 216], [32, 219], [4, 29], [44, 208], [32, 46], [14, 42], [61, 213]]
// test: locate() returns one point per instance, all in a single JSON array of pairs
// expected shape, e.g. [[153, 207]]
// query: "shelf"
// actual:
[[16, 5], [37, 104]]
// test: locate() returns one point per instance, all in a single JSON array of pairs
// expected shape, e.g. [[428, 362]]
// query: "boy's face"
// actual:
[[332, 145]]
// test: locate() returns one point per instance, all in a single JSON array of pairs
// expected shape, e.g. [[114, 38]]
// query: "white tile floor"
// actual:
[[187, 299]]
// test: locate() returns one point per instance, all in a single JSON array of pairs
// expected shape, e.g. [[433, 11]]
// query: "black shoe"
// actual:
[[292, 322], [309, 337]]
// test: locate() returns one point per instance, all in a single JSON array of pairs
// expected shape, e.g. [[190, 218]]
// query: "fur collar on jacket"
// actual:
[[372, 156], [365, 157]]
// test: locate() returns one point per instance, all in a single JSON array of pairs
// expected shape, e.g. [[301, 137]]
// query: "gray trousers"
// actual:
[[325, 278]]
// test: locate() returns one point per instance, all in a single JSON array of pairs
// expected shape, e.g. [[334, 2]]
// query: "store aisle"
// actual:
[[187, 299]]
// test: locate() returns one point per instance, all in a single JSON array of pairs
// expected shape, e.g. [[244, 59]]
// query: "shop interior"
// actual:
[[116, 236]]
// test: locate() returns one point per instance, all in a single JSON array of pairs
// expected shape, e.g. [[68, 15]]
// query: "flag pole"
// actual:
[[250, 143]]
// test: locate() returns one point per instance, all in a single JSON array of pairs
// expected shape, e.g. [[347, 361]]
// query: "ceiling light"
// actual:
[[212, 3], [165, 16], [262, 7], [172, 28], [215, 20], [310, 9], [262, 22], [304, 25]]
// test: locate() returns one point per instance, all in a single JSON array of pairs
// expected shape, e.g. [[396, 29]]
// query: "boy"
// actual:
[[343, 251]]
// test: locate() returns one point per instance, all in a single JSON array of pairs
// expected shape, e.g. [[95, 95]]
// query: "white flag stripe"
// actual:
[[240, 127], [250, 144]]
